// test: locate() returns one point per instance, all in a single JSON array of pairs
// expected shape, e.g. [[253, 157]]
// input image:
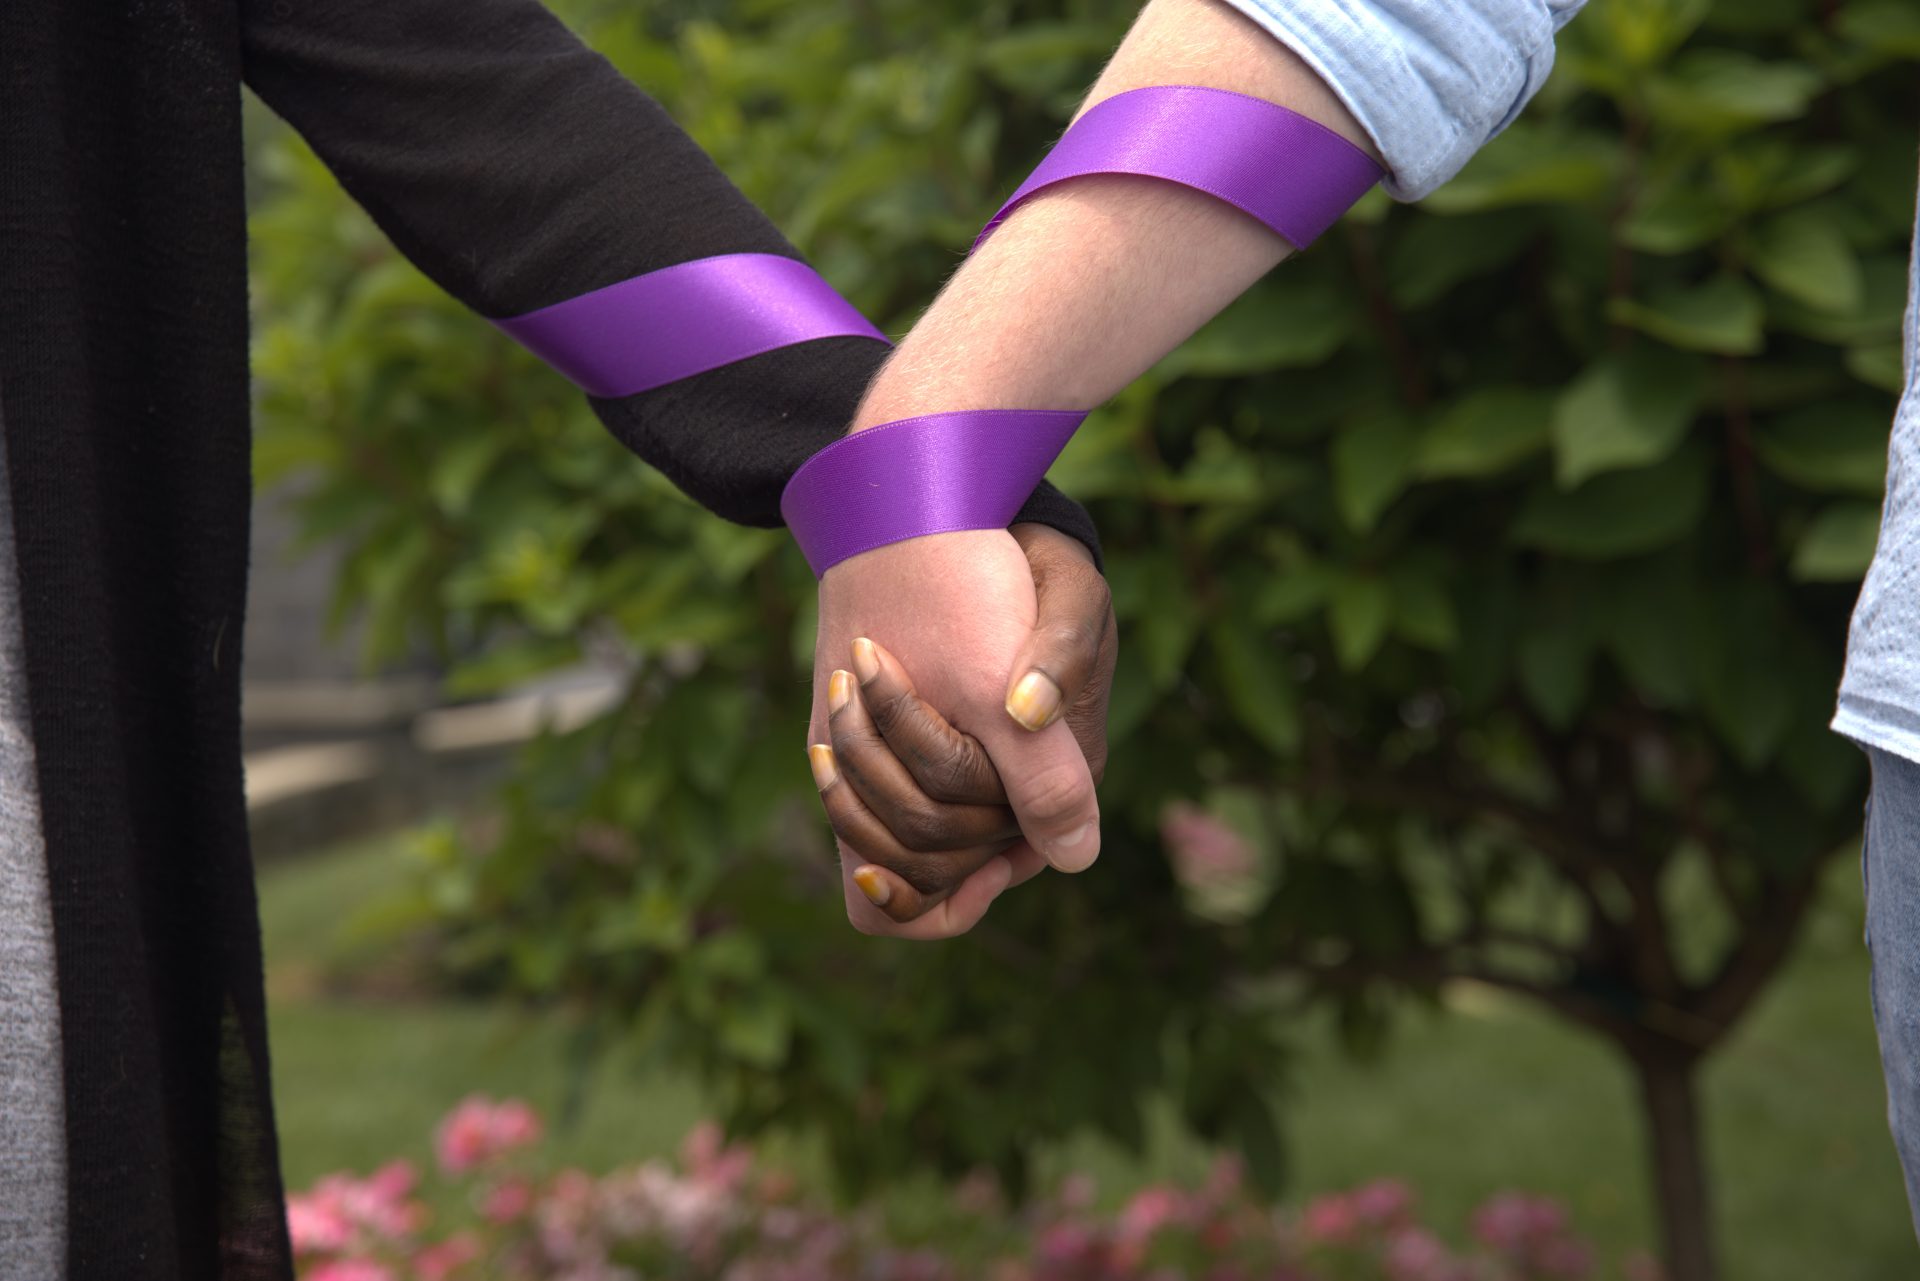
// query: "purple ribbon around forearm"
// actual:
[[969, 469], [693, 317], [955, 471], [1293, 174]]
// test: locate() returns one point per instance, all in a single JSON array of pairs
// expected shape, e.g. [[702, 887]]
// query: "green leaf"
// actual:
[[1839, 447], [1839, 544], [1485, 432], [1890, 28], [1804, 255], [1554, 662], [1881, 365], [1639, 34], [1372, 460], [1618, 514], [1876, 321], [1258, 690], [1358, 614], [1434, 254], [1712, 93], [1422, 611], [1722, 315], [757, 1026], [1626, 410], [1638, 625], [1220, 472], [1279, 325], [1039, 58], [1738, 662], [1675, 217], [1150, 593], [1532, 164]]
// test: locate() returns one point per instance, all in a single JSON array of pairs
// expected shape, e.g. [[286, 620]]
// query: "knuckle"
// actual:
[[1076, 640], [1053, 795], [947, 770], [920, 828], [888, 709]]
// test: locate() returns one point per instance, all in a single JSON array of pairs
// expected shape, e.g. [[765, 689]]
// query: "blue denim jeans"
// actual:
[[1890, 867]]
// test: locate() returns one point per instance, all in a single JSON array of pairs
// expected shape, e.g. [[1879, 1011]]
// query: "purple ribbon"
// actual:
[[1293, 174], [933, 475], [683, 320], [952, 471], [973, 469]]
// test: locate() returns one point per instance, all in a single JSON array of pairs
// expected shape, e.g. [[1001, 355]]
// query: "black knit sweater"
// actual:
[[518, 169]]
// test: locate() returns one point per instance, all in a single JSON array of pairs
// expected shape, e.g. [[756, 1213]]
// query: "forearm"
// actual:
[[1087, 284], [520, 170]]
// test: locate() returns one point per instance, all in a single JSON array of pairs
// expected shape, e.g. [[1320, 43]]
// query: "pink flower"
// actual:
[[317, 1224], [1512, 1222], [1384, 1203], [1077, 1191], [478, 1131], [1415, 1254], [1204, 850], [1332, 1219], [1151, 1209], [1224, 1179], [978, 1193], [394, 1181], [352, 1270], [438, 1262], [506, 1201], [1564, 1258], [1065, 1244]]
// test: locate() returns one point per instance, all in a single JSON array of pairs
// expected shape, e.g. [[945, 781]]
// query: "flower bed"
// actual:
[[715, 1215]]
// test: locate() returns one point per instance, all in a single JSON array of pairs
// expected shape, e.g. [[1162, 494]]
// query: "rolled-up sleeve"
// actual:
[[1430, 82]]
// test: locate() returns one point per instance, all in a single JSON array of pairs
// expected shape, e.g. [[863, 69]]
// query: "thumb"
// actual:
[[1050, 789], [1073, 618]]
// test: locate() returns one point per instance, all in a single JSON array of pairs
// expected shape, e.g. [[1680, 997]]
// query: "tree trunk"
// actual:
[[1679, 1163]]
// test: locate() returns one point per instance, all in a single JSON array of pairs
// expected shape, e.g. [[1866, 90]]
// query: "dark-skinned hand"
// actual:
[[917, 799]]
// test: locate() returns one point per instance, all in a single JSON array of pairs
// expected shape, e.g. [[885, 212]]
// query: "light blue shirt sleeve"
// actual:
[[1430, 82]]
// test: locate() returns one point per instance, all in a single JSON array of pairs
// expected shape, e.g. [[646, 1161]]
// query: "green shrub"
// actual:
[[1487, 568]]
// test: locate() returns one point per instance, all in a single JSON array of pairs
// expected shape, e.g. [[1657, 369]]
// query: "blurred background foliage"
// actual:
[[1485, 571]]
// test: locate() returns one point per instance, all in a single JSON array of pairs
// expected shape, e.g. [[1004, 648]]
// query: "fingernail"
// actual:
[[1034, 701], [839, 690], [876, 889], [820, 756], [1074, 852], [865, 661]]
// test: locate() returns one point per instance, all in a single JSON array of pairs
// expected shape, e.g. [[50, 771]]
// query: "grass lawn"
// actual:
[[1489, 1096]]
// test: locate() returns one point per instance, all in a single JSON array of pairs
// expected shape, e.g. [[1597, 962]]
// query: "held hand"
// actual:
[[920, 799], [912, 793]]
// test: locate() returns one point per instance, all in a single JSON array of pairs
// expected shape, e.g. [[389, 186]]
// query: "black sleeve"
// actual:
[[518, 169]]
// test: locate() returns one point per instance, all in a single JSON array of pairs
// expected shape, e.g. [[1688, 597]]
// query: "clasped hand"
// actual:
[[959, 721]]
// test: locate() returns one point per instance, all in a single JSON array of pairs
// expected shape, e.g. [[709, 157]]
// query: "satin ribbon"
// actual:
[[952, 471], [683, 320], [1291, 173], [932, 475], [972, 469]]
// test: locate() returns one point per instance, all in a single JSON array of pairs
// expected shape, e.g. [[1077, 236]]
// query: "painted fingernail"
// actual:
[[820, 756], [1074, 852], [865, 661], [839, 691], [1035, 700], [871, 885]]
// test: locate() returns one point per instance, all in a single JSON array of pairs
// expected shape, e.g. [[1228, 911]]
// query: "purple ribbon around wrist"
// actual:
[[932, 475], [969, 469]]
